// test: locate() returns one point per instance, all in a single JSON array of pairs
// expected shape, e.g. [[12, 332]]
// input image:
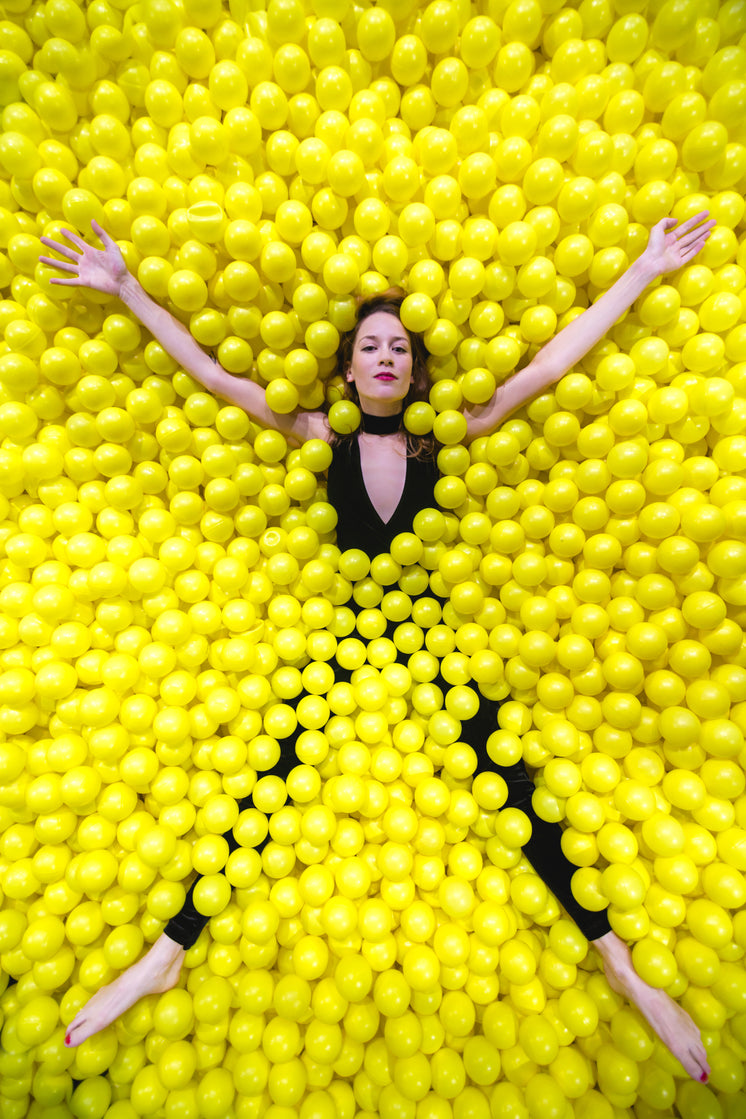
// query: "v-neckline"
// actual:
[[359, 467]]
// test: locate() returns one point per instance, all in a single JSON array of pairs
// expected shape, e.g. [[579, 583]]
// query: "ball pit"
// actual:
[[170, 578]]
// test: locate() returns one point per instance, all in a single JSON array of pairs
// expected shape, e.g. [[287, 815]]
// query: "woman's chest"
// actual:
[[383, 467]]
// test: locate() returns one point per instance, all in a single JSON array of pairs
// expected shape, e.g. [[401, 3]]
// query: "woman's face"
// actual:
[[381, 367]]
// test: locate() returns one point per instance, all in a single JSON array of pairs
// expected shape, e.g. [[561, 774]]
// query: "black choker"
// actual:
[[381, 425]]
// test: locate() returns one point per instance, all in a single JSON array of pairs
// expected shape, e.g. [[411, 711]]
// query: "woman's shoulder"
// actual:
[[344, 449], [311, 425]]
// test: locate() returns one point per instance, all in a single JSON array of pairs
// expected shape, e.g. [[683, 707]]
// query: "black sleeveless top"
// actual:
[[358, 523]]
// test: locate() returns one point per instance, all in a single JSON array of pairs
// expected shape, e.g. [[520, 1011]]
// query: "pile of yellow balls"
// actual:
[[171, 593]]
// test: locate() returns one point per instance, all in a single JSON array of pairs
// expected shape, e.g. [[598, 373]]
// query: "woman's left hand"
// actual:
[[671, 248]]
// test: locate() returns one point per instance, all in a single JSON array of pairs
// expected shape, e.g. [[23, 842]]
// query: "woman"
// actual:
[[373, 471]]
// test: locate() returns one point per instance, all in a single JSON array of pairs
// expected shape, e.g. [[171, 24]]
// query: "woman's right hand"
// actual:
[[104, 270], [101, 269]]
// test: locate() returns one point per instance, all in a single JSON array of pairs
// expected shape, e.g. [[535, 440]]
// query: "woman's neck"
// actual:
[[380, 425]]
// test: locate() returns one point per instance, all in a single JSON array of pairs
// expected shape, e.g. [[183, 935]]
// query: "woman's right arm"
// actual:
[[104, 270]]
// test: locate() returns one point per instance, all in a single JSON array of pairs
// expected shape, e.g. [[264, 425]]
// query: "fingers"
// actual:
[[697, 236], [692, 222], [64, 250], [690, 238], [61, 264], [697, 231], [690, 251], [694, 241], [101, 233], [76, 239]]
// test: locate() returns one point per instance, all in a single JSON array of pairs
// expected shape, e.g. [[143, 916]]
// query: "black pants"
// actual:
[[543, 850]]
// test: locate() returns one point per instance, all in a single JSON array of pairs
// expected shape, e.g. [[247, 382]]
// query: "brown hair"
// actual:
[[389, 301]]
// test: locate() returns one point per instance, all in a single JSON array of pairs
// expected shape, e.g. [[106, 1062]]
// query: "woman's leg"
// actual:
[[544, 851], [159, 969], [669, 1021], [188, 923]]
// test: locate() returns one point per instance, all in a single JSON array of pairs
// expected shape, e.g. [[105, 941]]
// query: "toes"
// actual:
[[694, 1059], [703, 1066], [72, 1037], [699, 1072]]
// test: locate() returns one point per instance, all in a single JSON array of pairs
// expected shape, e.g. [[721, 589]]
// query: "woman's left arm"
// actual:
[[667, 250]]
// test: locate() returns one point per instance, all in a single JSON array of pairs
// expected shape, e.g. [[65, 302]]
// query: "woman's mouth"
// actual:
[[385, 377]]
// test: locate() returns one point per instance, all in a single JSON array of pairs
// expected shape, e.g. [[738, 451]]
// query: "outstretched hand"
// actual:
[[670, 246], [101, 269]]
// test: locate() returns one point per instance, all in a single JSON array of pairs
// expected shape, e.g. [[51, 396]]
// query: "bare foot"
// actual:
[[670, 1022], [157, 971]]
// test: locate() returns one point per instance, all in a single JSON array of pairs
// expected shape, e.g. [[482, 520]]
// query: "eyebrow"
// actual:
[[376, 338]]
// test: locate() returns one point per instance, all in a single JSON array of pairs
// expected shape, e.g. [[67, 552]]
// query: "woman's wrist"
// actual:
[[130, 289], [646, 269]]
